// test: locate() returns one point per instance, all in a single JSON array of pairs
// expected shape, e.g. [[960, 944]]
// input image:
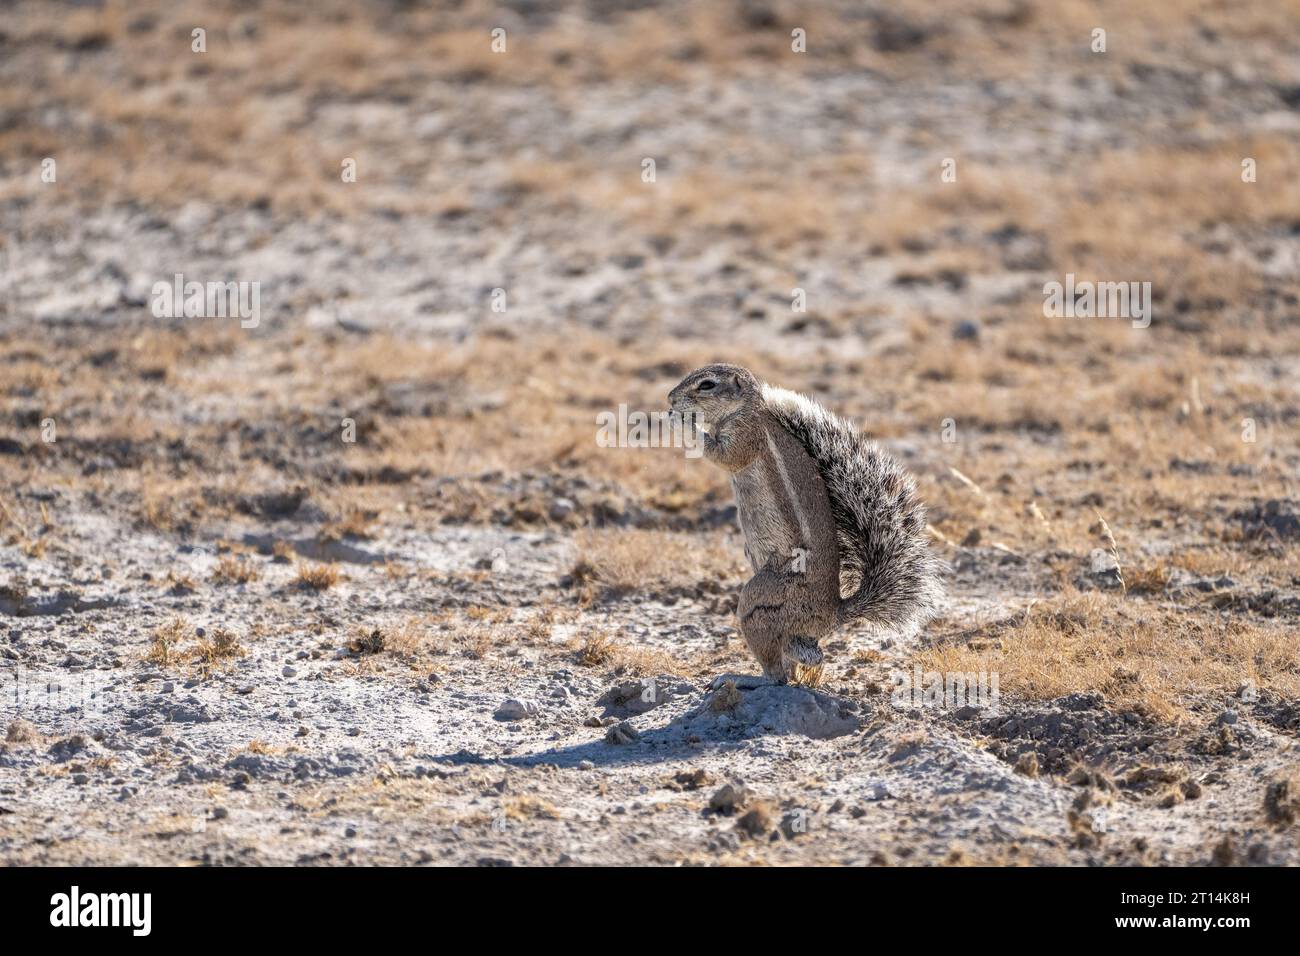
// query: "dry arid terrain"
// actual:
[[355, 583]]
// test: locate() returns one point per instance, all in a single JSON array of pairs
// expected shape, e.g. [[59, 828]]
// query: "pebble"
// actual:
[[728, 798], [756, 822], [289, 671], [622, 733], [516, 709]]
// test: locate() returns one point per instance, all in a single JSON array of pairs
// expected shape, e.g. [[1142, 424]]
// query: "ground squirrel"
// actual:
[[833, 527]]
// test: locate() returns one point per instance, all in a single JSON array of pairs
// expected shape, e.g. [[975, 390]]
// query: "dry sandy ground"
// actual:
[[472, 635]]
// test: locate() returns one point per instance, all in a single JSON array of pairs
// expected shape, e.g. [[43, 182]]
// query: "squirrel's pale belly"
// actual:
[[768, 517]]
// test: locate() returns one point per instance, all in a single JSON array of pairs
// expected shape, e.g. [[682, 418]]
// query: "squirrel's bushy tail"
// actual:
[[884, 555]]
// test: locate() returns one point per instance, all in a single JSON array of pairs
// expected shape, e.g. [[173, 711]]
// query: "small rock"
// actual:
[[1227, 717], [622, 733], [220, 813], [80, 778], [560, 509], [692, 779], [635, 697], [289, 671], [756, 822], [729, 798], [77, 745], [516, 709], [586, 765], [725, 698]]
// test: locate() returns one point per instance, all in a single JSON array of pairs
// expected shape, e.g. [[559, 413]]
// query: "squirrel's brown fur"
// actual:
[[833, 527]]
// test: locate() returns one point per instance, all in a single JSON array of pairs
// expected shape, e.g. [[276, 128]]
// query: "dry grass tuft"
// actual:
[[178, 582], [218, 646], [317, 577], [365, 642], [166, 640], [231, 569], [596, 650], [528, 807], [601, 650], [540, 625], [355, 524], [22, 731]]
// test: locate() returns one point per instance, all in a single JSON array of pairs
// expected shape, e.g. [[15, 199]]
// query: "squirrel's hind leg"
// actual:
[[763, 612], [766, 644]]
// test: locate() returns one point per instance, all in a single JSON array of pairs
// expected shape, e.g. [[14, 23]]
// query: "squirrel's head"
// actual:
[[713, 392]]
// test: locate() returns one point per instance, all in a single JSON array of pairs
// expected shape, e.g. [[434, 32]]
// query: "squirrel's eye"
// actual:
[[707, 385]]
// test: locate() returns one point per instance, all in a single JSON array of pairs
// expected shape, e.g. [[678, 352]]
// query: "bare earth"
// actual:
[[230, 634]]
